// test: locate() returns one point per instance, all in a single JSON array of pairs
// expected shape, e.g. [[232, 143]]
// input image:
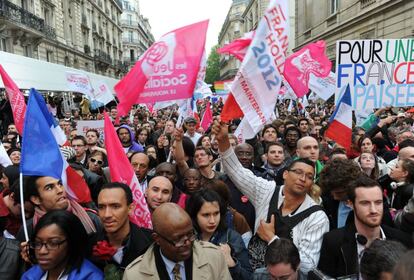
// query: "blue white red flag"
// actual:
[[340, 123], [41, 155]]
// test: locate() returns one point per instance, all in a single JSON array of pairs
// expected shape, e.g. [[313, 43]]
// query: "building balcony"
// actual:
[[19, 18], [121, 66], [87, 49], [130, 41], [102, 57]]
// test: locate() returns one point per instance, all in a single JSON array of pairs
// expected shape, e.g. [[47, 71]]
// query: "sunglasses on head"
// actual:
[[97, 161]]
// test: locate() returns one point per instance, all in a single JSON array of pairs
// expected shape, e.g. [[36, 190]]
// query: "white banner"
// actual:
[[79, 82], [257, 84], [323, 87], [84, 126], [4, 157], [380, 73], [102, 93]]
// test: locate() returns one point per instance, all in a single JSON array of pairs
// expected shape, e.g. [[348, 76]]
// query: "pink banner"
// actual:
[[167, 70]]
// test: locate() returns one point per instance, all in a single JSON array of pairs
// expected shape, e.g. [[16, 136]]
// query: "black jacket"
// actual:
[[11, 265], [339, 253]]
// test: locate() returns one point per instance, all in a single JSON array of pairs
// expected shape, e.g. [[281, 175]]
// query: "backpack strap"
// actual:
[[274, 201], [296, 219]]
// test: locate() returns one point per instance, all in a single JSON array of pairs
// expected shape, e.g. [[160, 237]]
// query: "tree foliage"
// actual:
[[213, 66]]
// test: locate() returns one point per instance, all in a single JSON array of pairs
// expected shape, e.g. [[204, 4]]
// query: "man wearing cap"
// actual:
[[190, 125]]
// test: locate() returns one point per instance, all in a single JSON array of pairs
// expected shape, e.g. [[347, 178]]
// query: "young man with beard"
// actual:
[[342, 248], [126, 136], [127, 240]]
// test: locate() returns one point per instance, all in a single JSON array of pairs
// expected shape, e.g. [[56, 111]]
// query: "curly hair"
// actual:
[[338, 173]]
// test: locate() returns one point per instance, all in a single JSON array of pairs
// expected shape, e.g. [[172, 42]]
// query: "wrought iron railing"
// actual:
[[17, 14], [102, 56]]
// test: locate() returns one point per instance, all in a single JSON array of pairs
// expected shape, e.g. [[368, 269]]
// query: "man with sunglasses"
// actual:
[[176, 254], [281, 211]]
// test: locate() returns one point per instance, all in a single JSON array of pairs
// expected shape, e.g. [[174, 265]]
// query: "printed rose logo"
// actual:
[[156, 53]]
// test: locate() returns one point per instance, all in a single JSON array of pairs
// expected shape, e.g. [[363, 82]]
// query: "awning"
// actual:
[[41, 75]]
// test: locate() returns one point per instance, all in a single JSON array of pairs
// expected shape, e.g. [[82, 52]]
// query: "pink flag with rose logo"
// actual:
[[166, 71], [311, 59]]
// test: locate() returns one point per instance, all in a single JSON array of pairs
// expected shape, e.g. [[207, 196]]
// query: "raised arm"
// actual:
[[179, 151]]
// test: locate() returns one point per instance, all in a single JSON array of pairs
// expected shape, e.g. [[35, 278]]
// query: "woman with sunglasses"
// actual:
[[58, 247], [208, 211], [95, 162]]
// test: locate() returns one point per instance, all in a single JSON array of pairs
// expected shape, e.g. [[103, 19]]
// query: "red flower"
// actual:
[[103, 250], [244, 199]]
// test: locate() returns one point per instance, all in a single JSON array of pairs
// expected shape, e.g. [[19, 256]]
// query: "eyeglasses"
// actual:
[[100, 162], [50, 245], [191, 236], [301, 173]]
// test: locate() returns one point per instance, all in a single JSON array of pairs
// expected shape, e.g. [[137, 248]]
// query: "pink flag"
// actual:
[[238, 48], [16, 100], [167, 70], [122, 171], [207, 118], [311, 59]]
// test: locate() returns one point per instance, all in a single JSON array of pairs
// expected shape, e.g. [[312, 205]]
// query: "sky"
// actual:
[[167, 15]]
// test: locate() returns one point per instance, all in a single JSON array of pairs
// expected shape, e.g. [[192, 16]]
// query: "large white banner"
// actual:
[[380, 73], [257, 84]]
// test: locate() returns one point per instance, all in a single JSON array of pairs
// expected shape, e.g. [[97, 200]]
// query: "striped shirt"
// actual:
[[307, 235]]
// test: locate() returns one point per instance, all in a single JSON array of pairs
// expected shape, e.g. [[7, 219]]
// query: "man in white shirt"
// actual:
[[292, 200]]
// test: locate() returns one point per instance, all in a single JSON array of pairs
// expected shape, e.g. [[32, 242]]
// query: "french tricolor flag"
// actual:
[[340, 123], [41, 155]]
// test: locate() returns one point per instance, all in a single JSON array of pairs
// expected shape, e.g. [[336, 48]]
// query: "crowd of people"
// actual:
[[287, 204]]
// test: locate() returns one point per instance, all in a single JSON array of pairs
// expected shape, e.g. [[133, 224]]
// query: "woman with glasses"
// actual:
[[58, 247], [208, 212]]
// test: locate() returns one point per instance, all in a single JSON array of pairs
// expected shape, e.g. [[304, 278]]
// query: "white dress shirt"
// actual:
[[307, 235]]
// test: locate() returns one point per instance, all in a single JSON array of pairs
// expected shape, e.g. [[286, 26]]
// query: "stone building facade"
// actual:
[[136, 36], [232, 29], [83, 34], [333, 20]]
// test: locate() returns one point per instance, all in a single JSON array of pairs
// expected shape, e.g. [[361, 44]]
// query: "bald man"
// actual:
[[308, 147], [404, 153], [176, 254], [159, 191]]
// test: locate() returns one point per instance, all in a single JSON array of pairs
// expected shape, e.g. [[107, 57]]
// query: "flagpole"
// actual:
[[26, 235]]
